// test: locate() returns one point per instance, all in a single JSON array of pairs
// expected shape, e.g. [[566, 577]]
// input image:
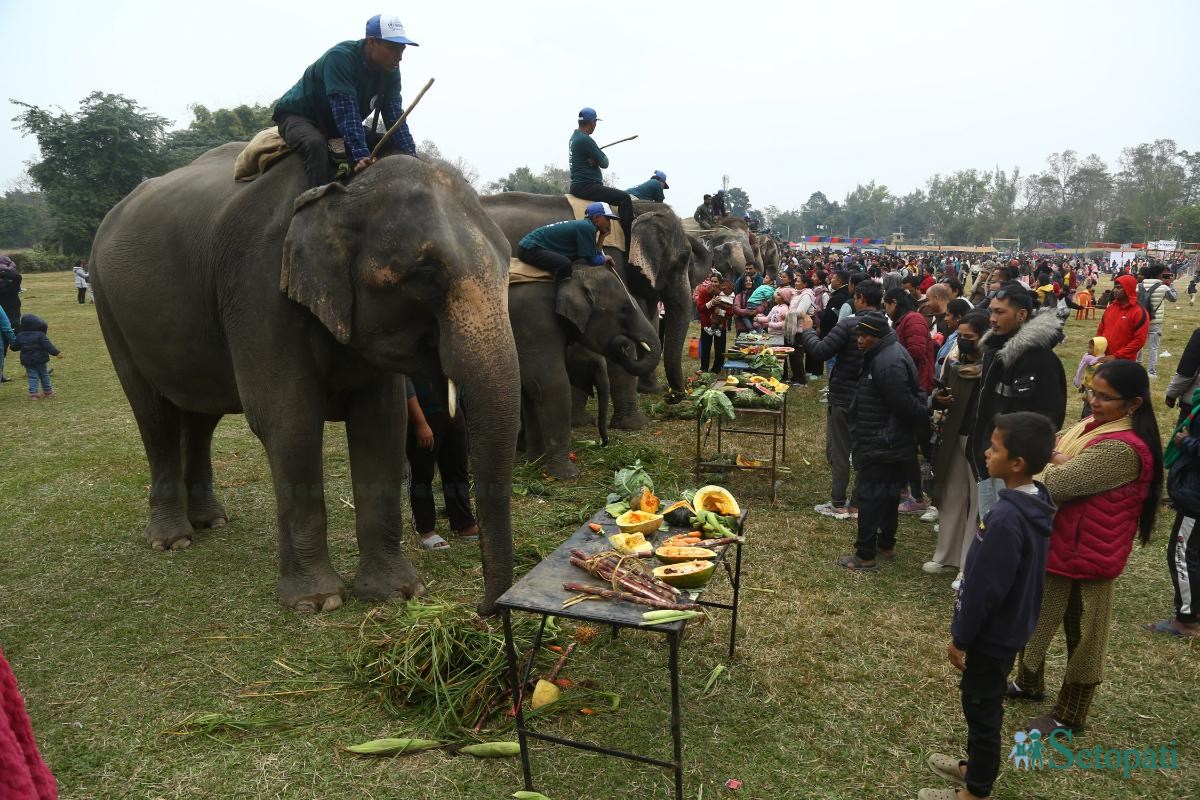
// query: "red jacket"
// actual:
[[1125, 324], [913, 333], [1093, 535], [23, 773]]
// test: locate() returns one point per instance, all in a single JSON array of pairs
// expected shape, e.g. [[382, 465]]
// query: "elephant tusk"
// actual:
[[645, 346], [451, 397]]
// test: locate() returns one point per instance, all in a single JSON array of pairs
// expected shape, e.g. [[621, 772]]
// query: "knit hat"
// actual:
[[785, 292], [873, 323]]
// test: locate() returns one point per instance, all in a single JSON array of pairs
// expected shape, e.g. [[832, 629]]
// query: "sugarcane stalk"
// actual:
[[558, 665], [612, 594], [710, 543], [605, 566], [623, 580]]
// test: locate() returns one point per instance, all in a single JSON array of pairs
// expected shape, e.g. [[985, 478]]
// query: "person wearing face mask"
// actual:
[[1020, 373], [953, 491], [338, 91]]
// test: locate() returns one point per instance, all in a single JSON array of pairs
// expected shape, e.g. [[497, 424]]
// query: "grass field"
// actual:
[[840, 689]]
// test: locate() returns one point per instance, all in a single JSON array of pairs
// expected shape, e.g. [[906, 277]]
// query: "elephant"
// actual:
[[298, 307], [588, 373], [660, 273], [592, 310]]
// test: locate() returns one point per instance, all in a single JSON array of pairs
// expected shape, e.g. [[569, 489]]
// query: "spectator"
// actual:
[[953, 488], [437, 440], [1183, 549], [712, 305], [81, 281], [743, 312], [913, 335], [887, 407], [1185, 378], [956, 309], [934, 311], [23, 773], [1125, 324], [7, 337], [997, 605], [1158, 289], [36, 349], [10, 291], [1020, 373], [774, 321], [1106, 478], [841, 344], [751, 272], [1191, 291], [1086, 372]]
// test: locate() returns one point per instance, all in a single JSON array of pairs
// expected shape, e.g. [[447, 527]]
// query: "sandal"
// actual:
[[937, 794], [434, 541], [466, 536], [1047, 724], [947, 767], [1172, 627], [855, 564]]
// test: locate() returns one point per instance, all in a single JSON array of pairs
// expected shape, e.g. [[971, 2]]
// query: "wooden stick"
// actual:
[[399, 122], [609, 594], [618, 141]]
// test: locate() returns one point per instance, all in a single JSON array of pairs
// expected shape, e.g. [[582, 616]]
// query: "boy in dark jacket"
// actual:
[[36, 349], [999, 599], [887, 409]]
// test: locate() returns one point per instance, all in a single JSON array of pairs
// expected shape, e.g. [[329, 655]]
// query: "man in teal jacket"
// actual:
[[555, 247], [337, 91], [587, 182], [652, 189]]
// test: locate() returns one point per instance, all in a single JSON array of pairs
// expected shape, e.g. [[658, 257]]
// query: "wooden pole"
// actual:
[[400, 121], [618, 141]]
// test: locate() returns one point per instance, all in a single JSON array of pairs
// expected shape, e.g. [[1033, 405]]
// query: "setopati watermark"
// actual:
[[1056, 751]]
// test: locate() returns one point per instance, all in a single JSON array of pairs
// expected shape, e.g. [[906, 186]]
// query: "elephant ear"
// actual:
[[317, 254], [574, 302]]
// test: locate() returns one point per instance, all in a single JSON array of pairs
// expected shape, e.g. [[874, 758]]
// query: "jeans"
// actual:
[[989, 493], [878, 492], [714, 342], [448, 456], [984, 682], [555, 263], [1153, 338], [36, 374], [81, 291], [302, 135], [837, 450], [614, 197]]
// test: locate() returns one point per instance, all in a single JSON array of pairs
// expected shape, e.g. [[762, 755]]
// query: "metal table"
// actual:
[[778, 434], [540, 592]]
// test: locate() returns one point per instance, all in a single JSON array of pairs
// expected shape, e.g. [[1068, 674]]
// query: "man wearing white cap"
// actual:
[[587, 182], [338, 91], [555, 247], [652, 189]]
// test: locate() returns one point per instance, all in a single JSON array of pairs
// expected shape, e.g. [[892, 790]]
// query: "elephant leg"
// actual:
[[292, 438], [376, 426], [580, 418], [531, 427], [203, 508], [552, 410], [627, 415]]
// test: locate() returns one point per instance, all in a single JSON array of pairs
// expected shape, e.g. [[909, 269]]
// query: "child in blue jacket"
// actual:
[[36, 349]]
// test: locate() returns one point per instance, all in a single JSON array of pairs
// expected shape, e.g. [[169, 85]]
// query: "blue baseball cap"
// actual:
[[599, 210], [587, 114], [662, 176], [388, 28]]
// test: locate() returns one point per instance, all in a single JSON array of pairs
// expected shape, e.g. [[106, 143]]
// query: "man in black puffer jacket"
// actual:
[[840, 343], [884, 416]]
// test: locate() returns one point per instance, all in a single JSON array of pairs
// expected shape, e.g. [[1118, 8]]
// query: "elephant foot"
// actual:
[[583, 421], [382, 580], [648, 384], [632, 421], [206, 512], [561, 470], [172, 535], [312, 592]]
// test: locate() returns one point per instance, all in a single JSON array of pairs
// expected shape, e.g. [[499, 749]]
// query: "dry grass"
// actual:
[[839, 690]]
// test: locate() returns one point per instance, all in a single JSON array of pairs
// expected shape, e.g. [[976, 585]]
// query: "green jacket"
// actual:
[[342, 69], [582, 147], [650, 190]]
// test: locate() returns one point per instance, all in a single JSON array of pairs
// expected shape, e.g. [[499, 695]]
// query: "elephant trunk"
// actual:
[[638, 357], [478, 353], [677, 302]]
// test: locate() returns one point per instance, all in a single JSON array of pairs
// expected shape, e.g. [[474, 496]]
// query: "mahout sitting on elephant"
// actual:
[[217, 297]]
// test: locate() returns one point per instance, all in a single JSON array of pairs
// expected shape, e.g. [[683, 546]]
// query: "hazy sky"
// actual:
[[785, 98]]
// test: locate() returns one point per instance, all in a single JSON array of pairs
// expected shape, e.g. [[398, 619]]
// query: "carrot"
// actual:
[[596, 527]]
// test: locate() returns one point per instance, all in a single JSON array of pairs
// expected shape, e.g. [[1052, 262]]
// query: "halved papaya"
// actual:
[[676, 555], [686, 574], [718, 499]]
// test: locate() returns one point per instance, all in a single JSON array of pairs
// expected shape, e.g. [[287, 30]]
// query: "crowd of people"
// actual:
[[947, 398]]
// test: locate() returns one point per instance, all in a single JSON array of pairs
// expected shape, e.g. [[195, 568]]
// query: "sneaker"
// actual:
[[46, 395], [957, 582], [1153, 374], [937, 527], [934, 567], [815, 377], [911, 506], [34, 397], [931, 515], [831, 510]]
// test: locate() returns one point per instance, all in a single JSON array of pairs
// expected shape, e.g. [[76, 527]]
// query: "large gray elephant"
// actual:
[[217, 297], [659, 272], [594, 311]]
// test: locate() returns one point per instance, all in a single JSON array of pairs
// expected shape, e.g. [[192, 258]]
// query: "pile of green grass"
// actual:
[[840, 687]]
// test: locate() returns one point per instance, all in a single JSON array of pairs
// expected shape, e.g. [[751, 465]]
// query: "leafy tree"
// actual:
[[213, 128], [91, 159], [737, 201], [551, 180], [1122, 229], [428, 149], [786, 224], [1185, 223], [24, 219], [1151, 182], [869, 210]]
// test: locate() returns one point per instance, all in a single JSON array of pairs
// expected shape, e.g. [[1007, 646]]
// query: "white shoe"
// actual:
[[931, 515], [830, 510], [1164, 354], [957, 582], [937, 527], [934, 567]]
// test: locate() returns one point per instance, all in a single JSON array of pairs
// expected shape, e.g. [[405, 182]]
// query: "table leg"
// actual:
[[736, 582], [511, 651], [676, 733]]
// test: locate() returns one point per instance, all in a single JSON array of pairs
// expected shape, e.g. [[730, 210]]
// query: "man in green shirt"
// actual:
[[704, 213], [587, 182], [555, 247], [338, 91], [652, 189]]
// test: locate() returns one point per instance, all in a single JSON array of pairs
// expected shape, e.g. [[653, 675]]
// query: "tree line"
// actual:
[[93, 157]]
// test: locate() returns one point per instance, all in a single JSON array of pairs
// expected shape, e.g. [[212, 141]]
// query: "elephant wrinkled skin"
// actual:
[[398, 272]]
